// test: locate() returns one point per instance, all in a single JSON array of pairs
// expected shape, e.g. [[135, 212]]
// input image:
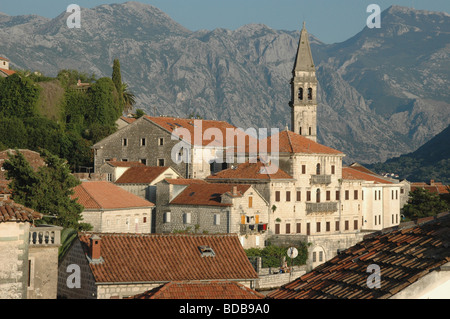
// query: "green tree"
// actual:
[[47, 190], [117, 80], [139, 113], [18, 97], [423, 203]]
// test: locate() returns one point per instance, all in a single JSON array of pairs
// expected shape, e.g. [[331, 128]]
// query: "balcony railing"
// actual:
[[253, 228], [321, 179], [45, 235], [327, 207]]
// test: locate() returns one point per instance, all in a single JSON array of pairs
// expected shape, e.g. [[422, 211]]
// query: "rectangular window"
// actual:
[[337, 225], [347, 195], [346, 225], [299, 196], [167, 217], [143, 161], [308, 229], [124, 159], [332, 169], [355, 194], [308, 196], [144, 220], [328, 195], [250, 201], [143, 141], [338, 195], [187, 218], [160, 162], [288, 228], [161, 141], [392, 219], [299, 228], [303, 169], [355, 224], [216, 219], [109, 177], [320, 256], [328, 226], [288, 196], [277, 196], [396, 194], [318, 227], [277, 229], [362, 195], [314, 257], [379, 219], [375, 220], [124, 142]]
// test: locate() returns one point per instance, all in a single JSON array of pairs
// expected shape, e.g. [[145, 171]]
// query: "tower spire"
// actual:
[[304, 90]]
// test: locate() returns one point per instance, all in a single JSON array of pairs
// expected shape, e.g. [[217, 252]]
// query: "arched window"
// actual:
[[300, 93], [318, 195], [318, 169], [310, 94]]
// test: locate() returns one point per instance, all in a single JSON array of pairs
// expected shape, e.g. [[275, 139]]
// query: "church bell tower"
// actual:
[[304, 91]]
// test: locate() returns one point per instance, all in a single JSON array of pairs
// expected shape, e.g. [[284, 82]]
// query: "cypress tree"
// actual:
[[117, 79]]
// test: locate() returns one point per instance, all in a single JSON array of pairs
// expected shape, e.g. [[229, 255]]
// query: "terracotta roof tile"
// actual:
[[250, 171], [354, 174], [405, 255], [179, 126], [290, 142], [7, 72], [129, 120], [105, 195], [11, 211], [201, 290], [207, 194], [168, 257], [141, 175]]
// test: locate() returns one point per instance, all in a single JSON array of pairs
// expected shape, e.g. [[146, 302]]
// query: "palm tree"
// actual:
[[128, 97]]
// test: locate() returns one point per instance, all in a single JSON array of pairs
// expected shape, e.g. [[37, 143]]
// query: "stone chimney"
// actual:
[[96, 243]]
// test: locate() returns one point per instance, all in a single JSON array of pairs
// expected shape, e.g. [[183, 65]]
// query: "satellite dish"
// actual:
[[292, 252]]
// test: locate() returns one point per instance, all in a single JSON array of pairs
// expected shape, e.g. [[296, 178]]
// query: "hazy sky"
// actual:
[[329, 20]]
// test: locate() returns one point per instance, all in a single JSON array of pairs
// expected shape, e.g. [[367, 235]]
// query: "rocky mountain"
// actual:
[[382, 93], [430, 161]]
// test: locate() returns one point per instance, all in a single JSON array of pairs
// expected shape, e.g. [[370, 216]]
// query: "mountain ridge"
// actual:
[[369, 97]]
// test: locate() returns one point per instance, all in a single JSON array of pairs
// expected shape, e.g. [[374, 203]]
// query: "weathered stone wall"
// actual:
[[44, 272], [14, 239]]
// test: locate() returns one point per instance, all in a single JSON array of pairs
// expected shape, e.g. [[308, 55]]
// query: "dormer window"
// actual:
[[207, 251]]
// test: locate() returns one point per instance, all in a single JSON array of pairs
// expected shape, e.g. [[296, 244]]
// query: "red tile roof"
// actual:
[[141, 175], [433, 187], [171, 124], [7, 72], [354, 174], [290, 142], [11, 211], [405, 254], [129, 120], [207, 194], [201, 290], [3, 59], [105, 195], [168, 257], [124, 164], [250, 171]]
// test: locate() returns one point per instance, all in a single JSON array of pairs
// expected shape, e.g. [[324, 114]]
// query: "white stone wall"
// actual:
[[119, 221]]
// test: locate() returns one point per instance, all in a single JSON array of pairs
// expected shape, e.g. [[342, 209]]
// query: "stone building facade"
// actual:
[[196, 206]]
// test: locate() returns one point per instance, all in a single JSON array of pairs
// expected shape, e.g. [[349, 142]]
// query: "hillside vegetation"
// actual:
[[38, 112]]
